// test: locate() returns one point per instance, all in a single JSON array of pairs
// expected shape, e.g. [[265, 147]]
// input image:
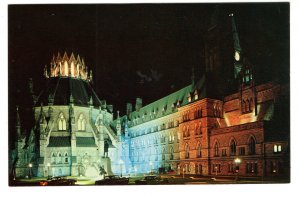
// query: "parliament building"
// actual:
[[222, 123]]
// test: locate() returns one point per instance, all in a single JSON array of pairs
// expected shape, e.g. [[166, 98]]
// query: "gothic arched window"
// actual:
[[62, 125], [187, 151], [199, 153], [232, 147], [53, 158], [216, 149], [66, 158], [171, 153], [251, 146], [81, 123]]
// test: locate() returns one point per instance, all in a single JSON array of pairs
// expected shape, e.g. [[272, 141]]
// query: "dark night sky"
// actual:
[[138, 50]]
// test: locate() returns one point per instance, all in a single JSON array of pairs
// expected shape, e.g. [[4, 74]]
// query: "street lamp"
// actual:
[[121, 165], [237, 162], [150, 167], [30, 173], [48, 166]]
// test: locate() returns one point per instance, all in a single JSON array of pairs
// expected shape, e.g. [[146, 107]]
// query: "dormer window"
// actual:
[[196, 95], [178, 104], [189, 98]]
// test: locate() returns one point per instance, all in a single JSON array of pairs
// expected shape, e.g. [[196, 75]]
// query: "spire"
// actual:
[[237, 48], [42, 117], [72, 58], [71, 99], [18, 122], [58, 58], [65, 57]]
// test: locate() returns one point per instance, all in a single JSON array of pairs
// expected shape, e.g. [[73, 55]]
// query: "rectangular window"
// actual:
[[216, 168], [242, 151], [251, 167], [230, 168]]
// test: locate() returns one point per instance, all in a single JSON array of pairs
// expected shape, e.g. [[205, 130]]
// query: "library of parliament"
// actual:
[[222, 123]]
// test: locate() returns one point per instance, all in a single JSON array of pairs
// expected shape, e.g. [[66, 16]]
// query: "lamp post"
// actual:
[[30, 173], [150, 167], [48, 166], [183, 172], [216, 169], [121, 165], [237, 162]]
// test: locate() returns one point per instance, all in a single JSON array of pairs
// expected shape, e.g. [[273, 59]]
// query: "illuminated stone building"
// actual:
[[71, 128], [221, 124]]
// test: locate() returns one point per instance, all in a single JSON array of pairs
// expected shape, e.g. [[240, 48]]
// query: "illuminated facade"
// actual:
[[201, 129], [72, 126]]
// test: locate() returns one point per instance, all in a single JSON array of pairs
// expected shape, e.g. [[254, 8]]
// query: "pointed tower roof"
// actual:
[[65, 57], [78, 59], [235, 34], [18, 122], [58, 58], [72, 58]]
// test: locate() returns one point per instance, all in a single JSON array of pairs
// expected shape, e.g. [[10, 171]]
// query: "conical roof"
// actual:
[[61, 88]]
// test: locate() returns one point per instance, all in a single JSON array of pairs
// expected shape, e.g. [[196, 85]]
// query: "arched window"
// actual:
[[251, 146], [232, 147], [81, 123], [59, 158], [62, 125], [66, 158], [187, 132], [216, 149], [163, 154], [171, 153], [244, 108], [53, 158], [187, 151], [199, 153]]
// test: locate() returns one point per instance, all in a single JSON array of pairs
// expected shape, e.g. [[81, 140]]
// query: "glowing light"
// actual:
[[237, 161]]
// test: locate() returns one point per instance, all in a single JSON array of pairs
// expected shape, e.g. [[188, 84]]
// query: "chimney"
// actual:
[[138, 104], [128, 109]]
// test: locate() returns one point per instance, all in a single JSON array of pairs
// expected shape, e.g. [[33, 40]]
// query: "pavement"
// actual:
[[172, 180]]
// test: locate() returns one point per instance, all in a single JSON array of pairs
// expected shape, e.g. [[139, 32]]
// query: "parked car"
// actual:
[[113, 180], [152, 180], [58, 181]]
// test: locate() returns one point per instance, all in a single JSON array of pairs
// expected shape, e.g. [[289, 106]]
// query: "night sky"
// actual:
[[137, 50]]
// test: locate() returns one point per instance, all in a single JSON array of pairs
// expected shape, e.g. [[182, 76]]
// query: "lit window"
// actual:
[[81, 123], [196, 95], [277, 148], [189, 98], [62, 126]]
